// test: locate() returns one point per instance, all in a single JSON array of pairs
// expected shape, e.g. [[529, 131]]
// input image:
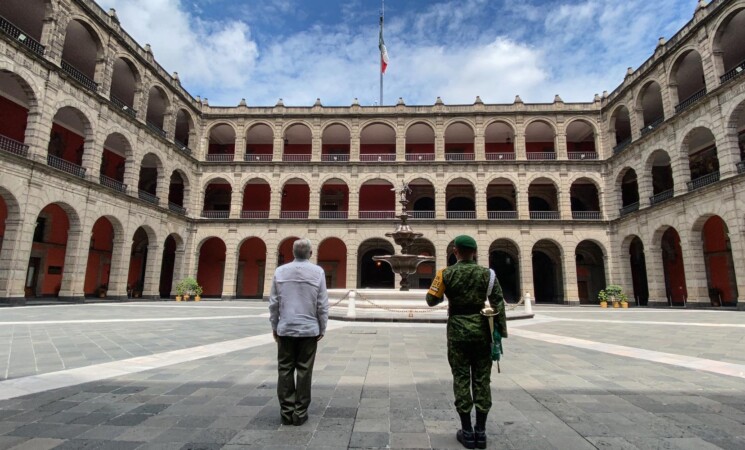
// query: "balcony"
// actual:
[[500, 156], [460, 215], [501, 215], [587, 215], [703, 181], [121, 105], [113, 184], [582, 156], [182, 147], [248, 157], [225, 157], [334, 158], [628, 209], [661, 197], [459, 156], [420, 157], [16, 34], [741, 167], [148, 197], [421, 214], [621, 146], [649, 128], [732, 74], [206, 214], [178, 209], [65, 166], [378, 157], [254, 214], [333, 215], [13, 146], [293, 215], [296, 158], [544, 215], [541, 156], [690, 100], [156, 129], [377, 214], [79, 77]]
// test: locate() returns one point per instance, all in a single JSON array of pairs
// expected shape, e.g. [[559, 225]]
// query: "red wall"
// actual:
[[420, 148], [260, 149], [674, 269], [377, 197], [103, 244], [256, 197], [13, 118], [718, 258], [211, 265], [298, 149], [285, 250], [331, 188], [500, 147], [73, 144], [334, 250], [538, 147], [252, 253], [377, 149], [296, 197], [221, 149], [466, 146], [114, 165], [54, 247], [325, 148], [580, 146]]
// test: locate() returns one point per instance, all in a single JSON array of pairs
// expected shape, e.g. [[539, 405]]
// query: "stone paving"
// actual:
[[375, 385]]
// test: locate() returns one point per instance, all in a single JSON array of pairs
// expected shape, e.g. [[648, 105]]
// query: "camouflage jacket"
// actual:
[[465, 285]]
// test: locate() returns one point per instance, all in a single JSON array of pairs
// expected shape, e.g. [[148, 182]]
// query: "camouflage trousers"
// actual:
[[471, 365]]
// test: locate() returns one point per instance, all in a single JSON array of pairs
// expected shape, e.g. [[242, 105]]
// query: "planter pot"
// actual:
[[178, 298], [616, 304], [197, 298], [186, 297], [102, 295], [624, 304], [603, 304]]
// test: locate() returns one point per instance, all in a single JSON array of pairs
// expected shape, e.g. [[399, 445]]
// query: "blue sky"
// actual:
[[298, 50]]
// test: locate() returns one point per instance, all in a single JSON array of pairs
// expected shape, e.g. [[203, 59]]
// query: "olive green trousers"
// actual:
[[295, 354]]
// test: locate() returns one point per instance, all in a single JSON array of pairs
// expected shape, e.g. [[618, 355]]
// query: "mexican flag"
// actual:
[[383, 50]]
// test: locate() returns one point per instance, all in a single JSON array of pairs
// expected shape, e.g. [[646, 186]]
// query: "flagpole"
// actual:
[[382, 15]]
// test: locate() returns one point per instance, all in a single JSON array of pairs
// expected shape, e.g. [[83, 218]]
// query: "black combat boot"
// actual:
[[480, 430], [465, 434]]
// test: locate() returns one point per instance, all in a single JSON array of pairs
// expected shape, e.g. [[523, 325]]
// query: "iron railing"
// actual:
[[113, 184], [579, 156], [334, 158], [703, 181], [378, 157], [17, 34], [541, 156], [544, 215], [621, 146], [459, 156], [501, 215], [79, 76], [690, 100], [148, 197], [293, 215], [124, 107], [178, 209], [249, 157], [661, 197], [66, 166], [460, 214], [500, 156], [155, 129], [223, 157], [13, 146], [182, 147], [208, 214], [377, 214], [333, 214], [420, 157], [629, 208], [254, 214], [741, 167], [421, 214], [587, 215], [289, 157], [649, 128], [732, 74]]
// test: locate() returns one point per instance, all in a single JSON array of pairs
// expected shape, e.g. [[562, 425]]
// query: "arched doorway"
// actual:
[[298, 143], [100, 253], [70, 129], [221, 146], [499, 142], [638, 263], [504, 259], [629, 191], [460, 197], [332, 257], [649, 108], [251, 267], [374, 274], [138, 263], [46, 267], [157, 108], [548, 276], [377, 200], [284, 251], [672, 261], [378, 143], [580, 140], [334, 200], [590, 261], [151, 174], [720, 268], [662, 176], [168, 266], [459, 142], [420, 142], [540, 138], [211, 268], [295, 200], [259, 143], [15, 102], [218, 196], [335, 143], [257, 196], [621, 128]]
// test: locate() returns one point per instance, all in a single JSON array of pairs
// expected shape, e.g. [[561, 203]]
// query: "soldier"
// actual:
[[469, 339]]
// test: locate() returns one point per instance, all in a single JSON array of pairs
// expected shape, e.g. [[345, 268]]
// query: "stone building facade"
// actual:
[[115, 181]]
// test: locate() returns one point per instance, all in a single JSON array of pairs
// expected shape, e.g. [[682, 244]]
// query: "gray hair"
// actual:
[[302, 248]]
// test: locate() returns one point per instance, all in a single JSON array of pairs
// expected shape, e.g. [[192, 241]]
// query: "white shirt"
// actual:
[[299, 302]]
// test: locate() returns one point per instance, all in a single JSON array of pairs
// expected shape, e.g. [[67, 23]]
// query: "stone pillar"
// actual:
[[526, 270], [119, 268], [76, 258], [240, 149], [560, 143], [440, 202], [441, 256], [697, 286], [737, 243], [314, 206], [131, 176], [230, 271], [655, 271], [270, 267], [480, 200], [53, 35], [351, 268], [317, 145], [728, 151], [354, 204], [236, 201], [14, 258], [354, 147], [565, 200], [400, 148], [278, 149], [439, 144], [479, 145], [37, 135], [151, 284], [521, 198], [646, 190], [275, 202], [92, 154], [519, 146], [681, 173], [571, 290]]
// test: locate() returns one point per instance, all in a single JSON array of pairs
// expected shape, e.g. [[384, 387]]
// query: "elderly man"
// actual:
[[298, 312]]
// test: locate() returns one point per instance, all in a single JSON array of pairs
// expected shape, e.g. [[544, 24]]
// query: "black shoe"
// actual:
[[286, 421], [480, 437], [297, 421], [466, 438]]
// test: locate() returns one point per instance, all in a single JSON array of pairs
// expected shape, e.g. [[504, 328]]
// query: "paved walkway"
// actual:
[[203, 376]]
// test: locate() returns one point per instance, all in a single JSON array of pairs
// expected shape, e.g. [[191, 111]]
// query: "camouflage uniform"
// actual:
[[468, 334]]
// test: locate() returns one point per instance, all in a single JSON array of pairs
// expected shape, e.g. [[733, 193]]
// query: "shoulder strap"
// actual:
[[492, 277]]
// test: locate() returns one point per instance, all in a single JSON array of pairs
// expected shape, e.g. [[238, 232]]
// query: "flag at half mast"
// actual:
[[383, 50]]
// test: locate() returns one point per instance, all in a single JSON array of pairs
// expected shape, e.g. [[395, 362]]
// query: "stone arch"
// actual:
[[257, 195], [627, 188], [619, 127], [667, 240], [590, 257], [86, 57], [726, 42], [185, 132], [71, 138], [649, 104], [217, 198], [686, 77], [505, 260], [374, 274], [251, 265], [332, 257], [13, 105], [711, 234], [699, 147], [295, 203], [548, 271], [659, 166], [158, 106], [212, 252], [578, 143]]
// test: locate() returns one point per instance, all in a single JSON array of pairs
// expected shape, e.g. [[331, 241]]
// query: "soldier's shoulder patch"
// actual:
[[437, 289]]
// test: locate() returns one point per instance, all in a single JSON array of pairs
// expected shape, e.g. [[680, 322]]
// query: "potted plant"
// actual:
[[191, 287], [603, 298], [179, 290], [624, 300], [612, 293], [197, 292]]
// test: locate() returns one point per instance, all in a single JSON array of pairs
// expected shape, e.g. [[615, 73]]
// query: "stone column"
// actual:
[[317, 145], [354, 204], [230, 271], [439, 144], [278, 149], [37, 135], [76, 258], [161, 188], [521, 198], [681, 173], [354, 147], [565, 200], [240, 148], [519, 146], [401, 148], [314, 205], [646, 190], [151, 288], [526, 270], [560, 142], [697, 287], [728, 151], [236, 200], [270, 266], [655, 271], [119, 268], [14, 258], [131, 176], [737, 243], [440, 202], [480, 200], [351, 268], [53, 35], [275, 202], [479, 145], [571, 290]]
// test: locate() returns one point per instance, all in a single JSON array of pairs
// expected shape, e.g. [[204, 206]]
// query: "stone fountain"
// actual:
[[404, 264]]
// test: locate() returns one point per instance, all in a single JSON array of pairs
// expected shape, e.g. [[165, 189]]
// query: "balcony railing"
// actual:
[[254, 214], [500, 156], [734, 73], [579, 156], [178, 209], [377, 214], [690, 100], [541, 156], [420, 157], [459, 156], [223, 157], [148, 197], [621, 146], [460, 214], [333, 214], [587, 215], [501, 215], [629, 208], [182, 147], [661, 197], [124, 107], [703, 181], [66, 166], [378, 157], [155, 129], [79, 76], [207, 214], [18, 35], [113, 184], [544, 215], [649, 128], [295, 158], [741, 167], [334, 158], [13, 146], [293, 215], [249, 157], [421, 214]]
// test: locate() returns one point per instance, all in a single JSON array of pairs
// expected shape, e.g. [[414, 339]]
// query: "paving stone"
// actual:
[[366, 439]]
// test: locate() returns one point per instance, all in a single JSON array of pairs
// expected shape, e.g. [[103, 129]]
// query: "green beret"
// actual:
[[465, 241]]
